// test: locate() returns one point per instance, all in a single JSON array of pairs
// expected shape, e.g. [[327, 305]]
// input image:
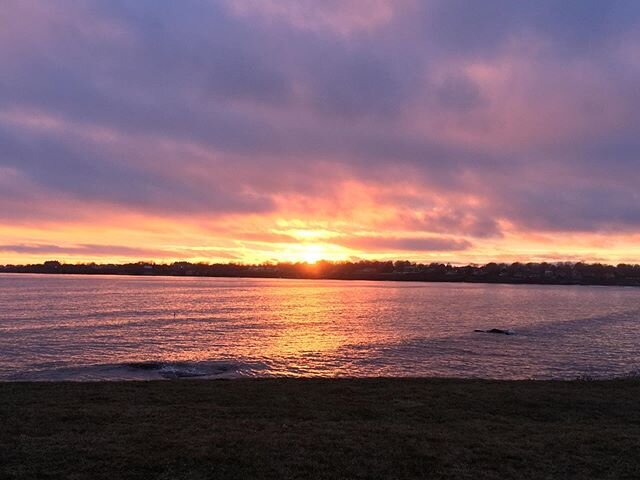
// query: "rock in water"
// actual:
[[495, 330]]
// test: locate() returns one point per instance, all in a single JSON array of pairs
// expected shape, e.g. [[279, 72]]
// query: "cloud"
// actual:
[[84, 250], [394, 244], [342, 17], [87, 251], [475, 121]]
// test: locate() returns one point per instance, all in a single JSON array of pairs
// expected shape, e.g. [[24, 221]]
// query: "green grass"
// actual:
[[287, 428]]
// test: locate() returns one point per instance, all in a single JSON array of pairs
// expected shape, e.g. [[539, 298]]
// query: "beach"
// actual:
[[320, 428]]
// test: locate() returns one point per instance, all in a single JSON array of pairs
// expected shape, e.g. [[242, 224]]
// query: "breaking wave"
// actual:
[[146, 370]]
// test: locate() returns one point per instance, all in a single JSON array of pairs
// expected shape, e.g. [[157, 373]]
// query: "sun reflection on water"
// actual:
[[206, 326]]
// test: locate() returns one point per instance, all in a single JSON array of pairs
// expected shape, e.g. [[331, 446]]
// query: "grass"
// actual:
[[313, 428]]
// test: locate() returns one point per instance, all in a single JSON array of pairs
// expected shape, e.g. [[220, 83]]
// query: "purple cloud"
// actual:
[[394, 244], [507, 112]]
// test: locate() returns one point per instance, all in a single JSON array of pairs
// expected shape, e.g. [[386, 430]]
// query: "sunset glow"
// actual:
[[250, 131]]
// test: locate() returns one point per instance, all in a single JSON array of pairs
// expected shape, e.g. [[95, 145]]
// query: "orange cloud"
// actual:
[[275, 130]]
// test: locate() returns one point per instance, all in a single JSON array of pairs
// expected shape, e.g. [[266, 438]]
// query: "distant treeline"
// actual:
[[563, 273]]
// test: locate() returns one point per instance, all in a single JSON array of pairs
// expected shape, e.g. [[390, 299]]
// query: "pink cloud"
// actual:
[[230, 125], [343, 17]]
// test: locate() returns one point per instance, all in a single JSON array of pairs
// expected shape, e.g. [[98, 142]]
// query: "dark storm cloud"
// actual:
[[530, 107]]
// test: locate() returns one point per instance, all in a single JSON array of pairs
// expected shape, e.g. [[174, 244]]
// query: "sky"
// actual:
[[298, 130]]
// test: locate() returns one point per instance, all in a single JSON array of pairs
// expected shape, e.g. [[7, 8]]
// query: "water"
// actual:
[[115, 327]]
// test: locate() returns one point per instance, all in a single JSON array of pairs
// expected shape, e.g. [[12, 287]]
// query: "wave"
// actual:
[[146, 370]]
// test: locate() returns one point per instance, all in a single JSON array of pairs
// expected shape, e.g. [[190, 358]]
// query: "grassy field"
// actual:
[[286, 428]]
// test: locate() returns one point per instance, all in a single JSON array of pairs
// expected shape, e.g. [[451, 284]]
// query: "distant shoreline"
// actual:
[[373, 278]]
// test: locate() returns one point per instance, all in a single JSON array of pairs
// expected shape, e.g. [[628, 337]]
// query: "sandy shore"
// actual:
[[288, 428]]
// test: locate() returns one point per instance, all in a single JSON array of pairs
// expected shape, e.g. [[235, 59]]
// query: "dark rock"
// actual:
[[145, 365], [495, 330]]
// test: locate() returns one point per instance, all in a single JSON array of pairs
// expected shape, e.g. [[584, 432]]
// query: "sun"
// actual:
[[313, 253]]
